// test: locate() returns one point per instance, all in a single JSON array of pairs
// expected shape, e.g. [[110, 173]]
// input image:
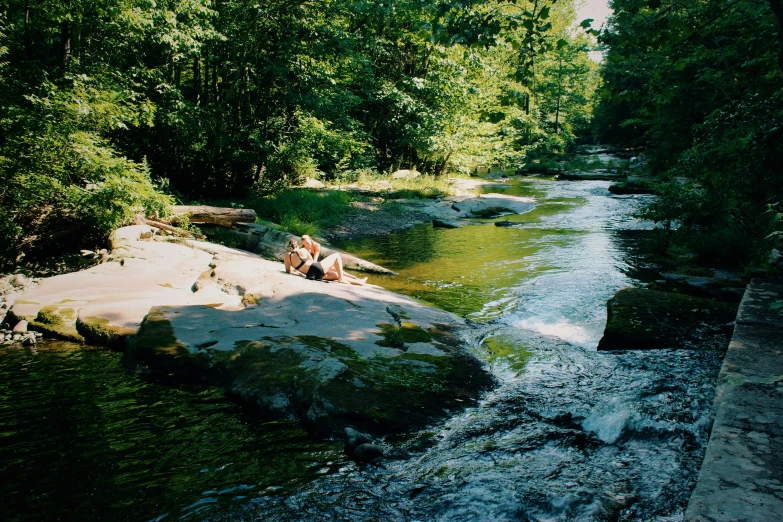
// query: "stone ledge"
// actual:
[[741, 477]]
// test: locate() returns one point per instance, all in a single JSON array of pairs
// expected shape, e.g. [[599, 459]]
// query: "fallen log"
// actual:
[[225, 217], [174, 230]]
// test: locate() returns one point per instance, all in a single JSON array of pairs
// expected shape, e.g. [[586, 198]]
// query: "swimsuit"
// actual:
[[314, 273]]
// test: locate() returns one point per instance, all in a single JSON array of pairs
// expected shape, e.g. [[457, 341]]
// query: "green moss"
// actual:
[[97, 330], [392, 336], [397, 336], [251, 299], [49, 315], [57, 322], [642, 318]]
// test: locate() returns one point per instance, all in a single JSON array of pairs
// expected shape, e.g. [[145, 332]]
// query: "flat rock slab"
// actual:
[[328, 355], [638, 318], [490, 205], [741, 477], [108, 302]]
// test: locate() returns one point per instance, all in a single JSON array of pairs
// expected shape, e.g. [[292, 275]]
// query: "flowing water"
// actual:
[[567, 434]]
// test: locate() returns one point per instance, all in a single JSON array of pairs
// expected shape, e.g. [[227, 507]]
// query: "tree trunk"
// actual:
[[225, 217]]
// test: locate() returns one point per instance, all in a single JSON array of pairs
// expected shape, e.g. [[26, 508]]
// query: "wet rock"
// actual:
[[639, 318], [446, 223], [354, 439], [491, 205], [775, 258], [726, 290], [21, 327], [367, 453], [579, 176]]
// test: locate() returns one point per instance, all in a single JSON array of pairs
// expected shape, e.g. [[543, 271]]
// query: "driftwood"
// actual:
[[174, 230], [225, 217]]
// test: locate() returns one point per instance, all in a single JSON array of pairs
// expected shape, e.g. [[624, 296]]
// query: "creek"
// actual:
[[568, 433]]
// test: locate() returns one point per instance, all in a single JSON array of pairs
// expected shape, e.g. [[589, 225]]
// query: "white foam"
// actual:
[[564, 330]]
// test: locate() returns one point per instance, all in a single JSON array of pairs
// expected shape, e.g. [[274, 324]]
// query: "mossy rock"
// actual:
[[631, 188], [97, 330], [57, 321], [155, 342], [325, 386], [639, 318]]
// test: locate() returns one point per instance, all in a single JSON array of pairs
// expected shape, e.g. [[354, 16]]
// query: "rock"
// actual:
[[638, 318], [19, 280], [28, 341], [446, 223], [580, 176], [313, 183], [505, 223], [367, 453], [724, 289], [405, 174], [21, 327], [491, 205], [354, 439], [16, 337], [775, 258]]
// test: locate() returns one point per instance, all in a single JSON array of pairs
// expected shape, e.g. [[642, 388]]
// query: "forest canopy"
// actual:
[[107, 106]]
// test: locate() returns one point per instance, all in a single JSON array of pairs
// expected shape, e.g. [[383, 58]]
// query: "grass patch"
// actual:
[[420, 187]]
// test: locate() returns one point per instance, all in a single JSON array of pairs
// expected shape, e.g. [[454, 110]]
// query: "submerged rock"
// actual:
[[639, 318]]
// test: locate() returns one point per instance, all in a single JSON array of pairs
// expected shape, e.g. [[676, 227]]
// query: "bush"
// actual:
[[65, 186]]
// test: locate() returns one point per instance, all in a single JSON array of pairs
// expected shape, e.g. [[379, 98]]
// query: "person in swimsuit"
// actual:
[[329, 269], [314, 249]]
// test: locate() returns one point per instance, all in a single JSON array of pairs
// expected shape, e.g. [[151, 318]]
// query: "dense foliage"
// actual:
[[102, 101], [698, 83]]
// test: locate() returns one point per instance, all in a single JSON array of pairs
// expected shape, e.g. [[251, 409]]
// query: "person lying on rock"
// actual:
[[314, 249], [328, 269]]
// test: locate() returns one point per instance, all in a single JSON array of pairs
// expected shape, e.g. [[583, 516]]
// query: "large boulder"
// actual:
[[638, 318], [329, 355]]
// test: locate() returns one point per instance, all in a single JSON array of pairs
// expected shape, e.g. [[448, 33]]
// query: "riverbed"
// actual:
[[568, 434]]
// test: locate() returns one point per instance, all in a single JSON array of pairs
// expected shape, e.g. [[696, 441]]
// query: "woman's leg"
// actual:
[[336, 261], [331, 275]]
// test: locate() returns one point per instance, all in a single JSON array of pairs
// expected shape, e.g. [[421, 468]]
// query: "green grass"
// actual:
[[303, 211], [421, 187]]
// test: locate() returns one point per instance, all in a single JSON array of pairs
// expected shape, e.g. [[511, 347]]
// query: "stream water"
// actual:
[[568, 433]]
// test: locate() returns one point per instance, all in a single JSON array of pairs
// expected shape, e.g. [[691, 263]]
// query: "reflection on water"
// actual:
[[83, 439], [568, 434]]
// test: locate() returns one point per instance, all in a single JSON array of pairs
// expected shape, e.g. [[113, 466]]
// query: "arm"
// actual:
[[317, 251]]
